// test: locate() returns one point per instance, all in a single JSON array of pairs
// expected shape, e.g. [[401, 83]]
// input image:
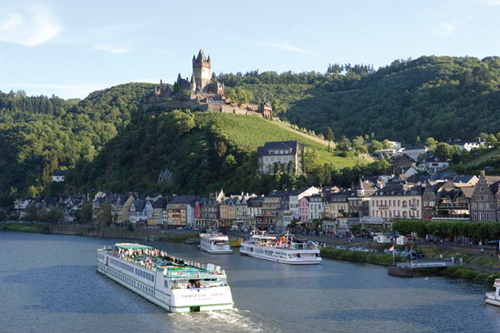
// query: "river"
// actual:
[[48, 283]]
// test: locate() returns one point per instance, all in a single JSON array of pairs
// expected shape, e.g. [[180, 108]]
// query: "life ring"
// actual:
[[179, 273], [216, 272]]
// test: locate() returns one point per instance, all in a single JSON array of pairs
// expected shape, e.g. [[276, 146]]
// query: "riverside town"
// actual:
[[308, 167]]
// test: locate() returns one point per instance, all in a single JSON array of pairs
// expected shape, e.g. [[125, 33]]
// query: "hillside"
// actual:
[[40, 134], [203, 152], [441, 97]]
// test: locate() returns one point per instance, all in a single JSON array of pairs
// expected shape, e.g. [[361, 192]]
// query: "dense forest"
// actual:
[[442, 97], [40, 134]]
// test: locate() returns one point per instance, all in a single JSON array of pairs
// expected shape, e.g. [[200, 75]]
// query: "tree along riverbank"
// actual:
[[469, 270], [102, 232]]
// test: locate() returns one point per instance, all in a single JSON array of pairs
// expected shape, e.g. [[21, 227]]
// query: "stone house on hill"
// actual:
[[285, 156]]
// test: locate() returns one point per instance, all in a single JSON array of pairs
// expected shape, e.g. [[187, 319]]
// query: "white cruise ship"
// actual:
[[493, 297], [215, 243], [283, 248], [173, 284]]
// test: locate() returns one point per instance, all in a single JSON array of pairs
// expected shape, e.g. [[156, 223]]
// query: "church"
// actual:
[[202, 93]]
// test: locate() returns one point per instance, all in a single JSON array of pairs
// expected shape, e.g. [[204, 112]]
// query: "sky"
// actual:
[[71, 48]]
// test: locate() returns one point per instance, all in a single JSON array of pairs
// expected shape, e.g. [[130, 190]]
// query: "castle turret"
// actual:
[[201, 71]]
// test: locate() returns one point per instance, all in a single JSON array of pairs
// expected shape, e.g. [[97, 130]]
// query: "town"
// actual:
[[372, 204]]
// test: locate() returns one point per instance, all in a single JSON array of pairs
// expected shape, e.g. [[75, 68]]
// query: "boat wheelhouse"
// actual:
[[281, 248], [215, 243], [493, 297], [174, 284]]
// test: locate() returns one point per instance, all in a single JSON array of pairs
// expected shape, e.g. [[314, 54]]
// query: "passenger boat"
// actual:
[[493, 297], [215, 243], [173, 284], [281, 248]]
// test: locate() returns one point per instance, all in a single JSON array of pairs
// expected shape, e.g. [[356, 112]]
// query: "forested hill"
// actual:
[[441, 97], [201, 152], [40, 134]]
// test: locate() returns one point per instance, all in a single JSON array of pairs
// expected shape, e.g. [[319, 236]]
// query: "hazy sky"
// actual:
[[70, 48]]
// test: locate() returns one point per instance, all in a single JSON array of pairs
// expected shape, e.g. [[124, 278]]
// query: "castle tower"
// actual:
[[201, 71]]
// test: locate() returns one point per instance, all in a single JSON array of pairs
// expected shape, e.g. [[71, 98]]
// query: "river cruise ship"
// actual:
[[281, 248], [174, 284], [493, 297], [215, 243]]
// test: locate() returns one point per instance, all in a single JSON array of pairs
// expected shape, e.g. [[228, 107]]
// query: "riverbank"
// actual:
[[34, 228], [468, 270], [476, 266]]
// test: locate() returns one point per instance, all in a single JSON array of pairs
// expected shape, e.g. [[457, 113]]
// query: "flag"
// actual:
[[391, 248]]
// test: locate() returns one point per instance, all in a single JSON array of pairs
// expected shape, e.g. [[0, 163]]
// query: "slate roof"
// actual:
[[434, 158], [290, 146], [184, 199], [415, 148], [60, 173]]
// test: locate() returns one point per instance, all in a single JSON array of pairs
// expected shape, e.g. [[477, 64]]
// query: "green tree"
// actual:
[[329, 134]]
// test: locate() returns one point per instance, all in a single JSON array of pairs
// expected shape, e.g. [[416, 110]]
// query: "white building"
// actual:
[[433, 164], [316, 208], [397, 201], [415, 152], [59, 175], [296, 195], [282, 156]]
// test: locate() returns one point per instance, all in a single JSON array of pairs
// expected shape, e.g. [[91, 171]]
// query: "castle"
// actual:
[[203, 92]]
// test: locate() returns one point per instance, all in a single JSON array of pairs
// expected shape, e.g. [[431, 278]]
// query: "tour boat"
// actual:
[[215, 243], [283, 249], [173, 284], [493, 297]]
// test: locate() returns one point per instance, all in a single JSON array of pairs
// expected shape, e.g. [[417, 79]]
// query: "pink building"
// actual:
[[197, 210], [304, 209]]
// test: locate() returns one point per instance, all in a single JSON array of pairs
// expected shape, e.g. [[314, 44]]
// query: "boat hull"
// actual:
[[489, 298], [171, 300], [309, 261], [217, 252]]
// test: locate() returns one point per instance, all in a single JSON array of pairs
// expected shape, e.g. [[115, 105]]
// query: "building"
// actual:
[[484, 202], [467, 145], [337, 204], [59, 175], [295, 196], [397, 201], [284, 156], [433, 164], [304, 209], [401, 163], [180, 211], [316, 208], [415, 151], [203, 92]]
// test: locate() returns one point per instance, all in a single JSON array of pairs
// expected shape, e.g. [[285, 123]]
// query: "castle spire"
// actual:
[[201, 56]]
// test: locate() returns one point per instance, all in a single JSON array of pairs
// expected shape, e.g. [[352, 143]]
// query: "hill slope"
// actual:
[[203, 152], [441, 97]]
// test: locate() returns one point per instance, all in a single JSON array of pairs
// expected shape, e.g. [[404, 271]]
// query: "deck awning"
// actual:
[[132, 246]]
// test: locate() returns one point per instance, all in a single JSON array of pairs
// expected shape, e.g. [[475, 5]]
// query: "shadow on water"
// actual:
[[78, 289]]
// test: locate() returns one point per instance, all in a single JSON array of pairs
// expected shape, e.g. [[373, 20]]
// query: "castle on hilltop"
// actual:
[[203, 92]]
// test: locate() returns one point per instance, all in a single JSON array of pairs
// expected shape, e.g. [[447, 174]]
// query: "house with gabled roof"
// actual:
[[484, 202], [59, 175], [180, 211]]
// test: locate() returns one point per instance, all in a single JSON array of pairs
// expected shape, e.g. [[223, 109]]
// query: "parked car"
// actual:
[[373, 251], [340, 247], [353, 248], [363, 249]]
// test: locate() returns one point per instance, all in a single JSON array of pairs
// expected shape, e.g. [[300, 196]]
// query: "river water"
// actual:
[[48, 283]]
